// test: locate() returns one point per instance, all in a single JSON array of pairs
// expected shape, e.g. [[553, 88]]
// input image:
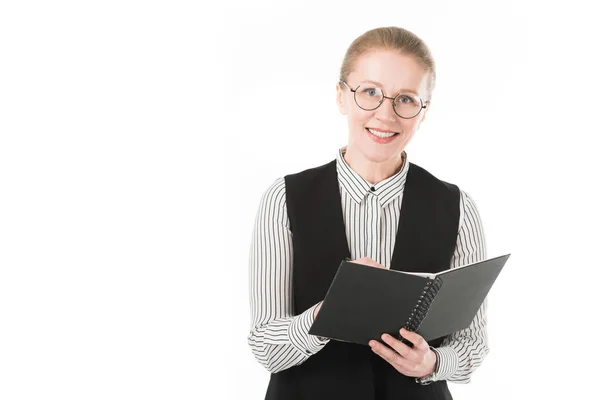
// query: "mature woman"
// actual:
[[372, 205]]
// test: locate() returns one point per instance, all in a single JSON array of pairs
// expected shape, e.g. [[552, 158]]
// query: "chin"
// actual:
[[377, 152]]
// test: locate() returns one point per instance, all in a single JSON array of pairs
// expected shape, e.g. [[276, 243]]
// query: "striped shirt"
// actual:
[[280, 340]]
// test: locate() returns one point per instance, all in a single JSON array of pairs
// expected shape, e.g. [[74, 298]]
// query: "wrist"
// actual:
[[432, 375], [436, 360]]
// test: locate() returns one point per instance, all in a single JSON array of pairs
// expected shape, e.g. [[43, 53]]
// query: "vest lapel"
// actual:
[[424, 241], [407, 252]]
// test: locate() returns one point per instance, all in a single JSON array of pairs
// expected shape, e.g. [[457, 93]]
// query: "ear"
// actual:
[[340, 99]]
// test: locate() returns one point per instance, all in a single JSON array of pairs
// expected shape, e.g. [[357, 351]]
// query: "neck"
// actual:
[[373, 171]]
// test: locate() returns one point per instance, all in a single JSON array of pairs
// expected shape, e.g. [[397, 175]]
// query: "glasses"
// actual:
[[369, 97]]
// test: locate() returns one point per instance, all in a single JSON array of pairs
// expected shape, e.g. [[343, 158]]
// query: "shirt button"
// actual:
[[372, 188]]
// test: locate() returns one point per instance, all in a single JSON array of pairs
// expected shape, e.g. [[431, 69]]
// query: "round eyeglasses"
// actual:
[[369, 97]]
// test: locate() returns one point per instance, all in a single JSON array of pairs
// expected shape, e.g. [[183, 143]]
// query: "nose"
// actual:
[[385, 112]]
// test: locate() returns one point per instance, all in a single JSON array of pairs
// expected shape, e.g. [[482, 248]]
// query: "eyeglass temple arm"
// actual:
[[352, 90]]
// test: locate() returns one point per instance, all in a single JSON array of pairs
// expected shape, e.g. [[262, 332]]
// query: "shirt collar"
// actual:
[[357, 187]]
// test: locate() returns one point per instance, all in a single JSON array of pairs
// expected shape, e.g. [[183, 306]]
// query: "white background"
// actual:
[[136, 139]]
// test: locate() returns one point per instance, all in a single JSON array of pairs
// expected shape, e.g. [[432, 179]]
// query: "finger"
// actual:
[[416, 339], [369, 262], [373, 263], [402, 349], [402, 364], [366, 261]]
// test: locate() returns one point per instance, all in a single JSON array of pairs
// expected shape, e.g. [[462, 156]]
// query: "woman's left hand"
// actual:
[[417, 362]]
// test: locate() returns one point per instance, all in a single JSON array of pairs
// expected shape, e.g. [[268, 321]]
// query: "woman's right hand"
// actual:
[[362, 260], [368, 261]]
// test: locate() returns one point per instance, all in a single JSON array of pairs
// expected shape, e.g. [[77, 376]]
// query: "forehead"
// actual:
[[395, 71]]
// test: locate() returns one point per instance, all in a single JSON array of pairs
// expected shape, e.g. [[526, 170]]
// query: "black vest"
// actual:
[[425, 242]]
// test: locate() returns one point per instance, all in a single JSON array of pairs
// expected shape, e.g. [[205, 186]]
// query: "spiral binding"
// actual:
[[422, 307]]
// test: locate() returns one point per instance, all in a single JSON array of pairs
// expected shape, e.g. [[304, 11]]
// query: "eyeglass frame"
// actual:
[[423, 105]]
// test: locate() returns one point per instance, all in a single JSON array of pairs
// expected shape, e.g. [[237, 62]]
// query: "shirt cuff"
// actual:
[[447, 362], [299, 336]]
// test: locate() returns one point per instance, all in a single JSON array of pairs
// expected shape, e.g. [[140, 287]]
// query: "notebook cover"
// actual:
[[460, 297], [363, 302]]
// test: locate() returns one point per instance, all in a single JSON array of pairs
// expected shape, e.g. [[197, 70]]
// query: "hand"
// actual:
[[317, 309], [368, 261], [417, 362]]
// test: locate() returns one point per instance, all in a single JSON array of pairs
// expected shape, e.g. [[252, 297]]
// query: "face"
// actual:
[[393, 73]]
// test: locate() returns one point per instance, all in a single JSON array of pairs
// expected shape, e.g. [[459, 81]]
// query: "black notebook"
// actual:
[[363, 302]]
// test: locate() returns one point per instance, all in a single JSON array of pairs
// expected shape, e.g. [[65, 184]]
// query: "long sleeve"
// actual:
[[278, 339], [463, 352]]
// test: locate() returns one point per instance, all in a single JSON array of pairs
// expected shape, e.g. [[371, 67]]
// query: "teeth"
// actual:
[[382, 135]]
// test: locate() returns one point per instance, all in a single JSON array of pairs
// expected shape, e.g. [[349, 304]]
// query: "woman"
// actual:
[[372, 205]]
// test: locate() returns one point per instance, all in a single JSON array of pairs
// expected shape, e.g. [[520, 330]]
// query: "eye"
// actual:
[[372, 92], [405, 100]]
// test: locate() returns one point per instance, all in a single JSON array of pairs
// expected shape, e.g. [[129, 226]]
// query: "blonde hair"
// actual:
[[390, 38]]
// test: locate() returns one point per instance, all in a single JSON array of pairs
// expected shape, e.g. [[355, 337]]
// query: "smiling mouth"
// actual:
[[381, 134]]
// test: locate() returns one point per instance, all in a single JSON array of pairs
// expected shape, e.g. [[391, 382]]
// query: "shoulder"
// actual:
[[469, 213], [274, 195], [310, 174], [468, 203], [433, 181], [310, 184], [466, 199]]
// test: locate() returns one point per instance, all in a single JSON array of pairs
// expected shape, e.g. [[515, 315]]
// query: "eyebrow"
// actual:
[[380, 84]]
